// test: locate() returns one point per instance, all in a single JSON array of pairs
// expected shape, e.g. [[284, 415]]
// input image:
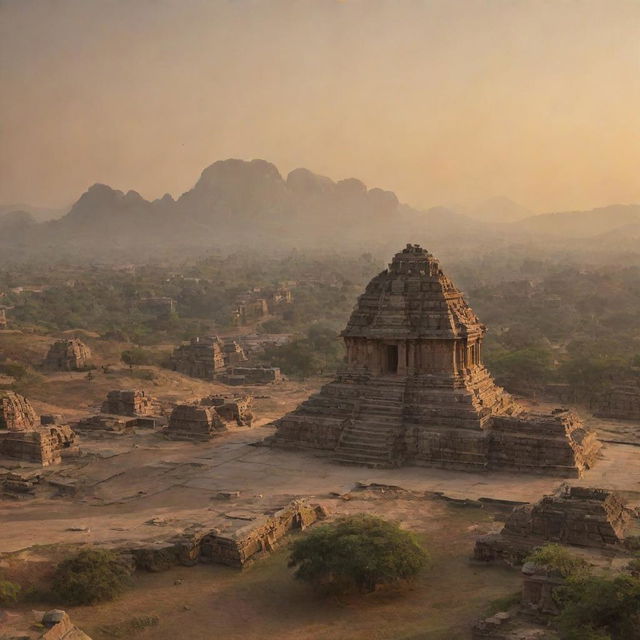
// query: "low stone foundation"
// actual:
[[194, 422], [575, 516], [243, 537]]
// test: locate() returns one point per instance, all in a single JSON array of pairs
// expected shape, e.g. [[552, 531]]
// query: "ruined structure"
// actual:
[[3, 317], [250, 308], [578, 516], [22, 437], [194, 422], [16, 412], [160, 307], [252, 375], [414, 389], [233, 353], [237, 410], [68, 355], [200, 358], [622, 401], [130, 402], [106, 425]]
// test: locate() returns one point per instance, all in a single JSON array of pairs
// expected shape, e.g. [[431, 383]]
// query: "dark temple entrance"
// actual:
[[392, 358]]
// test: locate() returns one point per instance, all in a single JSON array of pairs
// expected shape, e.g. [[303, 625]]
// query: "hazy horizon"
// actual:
[[440, 102]]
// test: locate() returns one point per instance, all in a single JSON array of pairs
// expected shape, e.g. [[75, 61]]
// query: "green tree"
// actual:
[[357, 553], [92, 576]]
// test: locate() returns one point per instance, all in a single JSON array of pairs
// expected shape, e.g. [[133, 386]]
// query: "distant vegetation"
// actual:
[[357, 554]]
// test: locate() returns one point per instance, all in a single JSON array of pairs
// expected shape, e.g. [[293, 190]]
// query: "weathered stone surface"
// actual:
[[622, 401], [68, 355], [105, 424], [43, 445], [194, 422], [252, 375], [248, 535], [200, 358], [16, 412], [578, 516], [233, 353], [130, 402], [414, 389], [236, 410]]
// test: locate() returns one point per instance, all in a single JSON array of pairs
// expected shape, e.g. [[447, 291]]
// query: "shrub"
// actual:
[[138, 355], [92, 576], [357, 553], [8, 592], [598, 607], [557, 558]]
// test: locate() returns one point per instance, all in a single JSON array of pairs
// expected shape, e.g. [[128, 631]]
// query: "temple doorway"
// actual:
[[392, 358]]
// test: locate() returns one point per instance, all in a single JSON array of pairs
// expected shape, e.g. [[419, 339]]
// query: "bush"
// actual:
[[138, 356], [557, 558], [599, 608], [357, 553], [92, 576], [8, 592]]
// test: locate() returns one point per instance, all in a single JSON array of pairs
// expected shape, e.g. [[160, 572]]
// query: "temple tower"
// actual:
[[414, 390]]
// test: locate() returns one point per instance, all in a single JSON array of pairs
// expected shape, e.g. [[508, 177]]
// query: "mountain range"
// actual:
[[237, 203]]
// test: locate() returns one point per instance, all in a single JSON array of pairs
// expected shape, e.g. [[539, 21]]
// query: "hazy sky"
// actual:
[[440, 100]]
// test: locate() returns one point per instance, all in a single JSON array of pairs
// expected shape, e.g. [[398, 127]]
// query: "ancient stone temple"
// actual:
[[130, 402], [68, 355], [194, 422], [24, 438], [200, 358], [414, 389]]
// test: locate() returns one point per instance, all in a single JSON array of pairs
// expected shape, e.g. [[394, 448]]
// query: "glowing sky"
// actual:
[[441, 101]]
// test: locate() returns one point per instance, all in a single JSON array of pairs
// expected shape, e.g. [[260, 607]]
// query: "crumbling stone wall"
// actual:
[[236, 410], [16, 412], [200, 358], [193, 422], [252, 375], [233, 353], [43, 446], [68, 355], [622, 401], [578, 516], [130, 402]]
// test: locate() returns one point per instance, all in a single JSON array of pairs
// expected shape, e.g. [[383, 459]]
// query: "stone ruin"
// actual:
[[194, 422], [16, 412], [233, 353], [200, 358], [49, 625], [414, 389], [236, 410], [211, 417], [68, 355], [3, 318], [237, 376], [233, 538], [621, 402], [106, 425], [130, 402], [578, 516], [23, 438]]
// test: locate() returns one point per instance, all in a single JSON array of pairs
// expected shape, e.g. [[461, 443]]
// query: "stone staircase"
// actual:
[[374, 436]]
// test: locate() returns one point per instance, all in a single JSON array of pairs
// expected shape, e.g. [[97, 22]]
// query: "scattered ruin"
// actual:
[[236, 410], [238, 376], [16, 412], [200, 358], [22, 437], [577, 516], [194, 422], [68, 355], [158, 306], [40, 625], [621, 402], [102, 425], [414, 389], [233, 353], [232, 538], [130, 402]]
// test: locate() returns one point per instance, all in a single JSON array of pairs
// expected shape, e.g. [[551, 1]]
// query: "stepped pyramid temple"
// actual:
[[414, 389]]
